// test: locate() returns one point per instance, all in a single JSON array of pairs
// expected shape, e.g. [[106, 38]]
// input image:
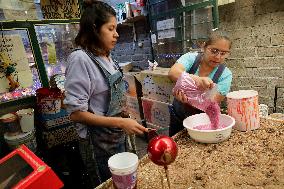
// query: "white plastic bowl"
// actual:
[[208, 136]]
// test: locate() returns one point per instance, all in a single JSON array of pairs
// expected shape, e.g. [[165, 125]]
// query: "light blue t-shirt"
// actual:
[[224, 81]]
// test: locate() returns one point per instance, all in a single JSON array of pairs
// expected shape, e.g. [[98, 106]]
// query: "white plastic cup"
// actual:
[[26, 117], [123, 167], [243, 106], [263, 110]]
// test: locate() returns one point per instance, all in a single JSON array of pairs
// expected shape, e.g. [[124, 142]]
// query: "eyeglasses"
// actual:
[[216, 52]]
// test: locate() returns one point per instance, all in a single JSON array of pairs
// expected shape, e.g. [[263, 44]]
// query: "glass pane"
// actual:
[[13, 171], [56, 43], [20, 10], [18, 71]]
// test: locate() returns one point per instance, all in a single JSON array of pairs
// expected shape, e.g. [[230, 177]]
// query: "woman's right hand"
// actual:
[[180, 96], [131, 126]]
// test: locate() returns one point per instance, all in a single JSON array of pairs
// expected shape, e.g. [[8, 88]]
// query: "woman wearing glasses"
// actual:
[[205, 69]]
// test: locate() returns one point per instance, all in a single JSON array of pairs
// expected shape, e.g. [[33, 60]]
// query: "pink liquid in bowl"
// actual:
[[209, 127]]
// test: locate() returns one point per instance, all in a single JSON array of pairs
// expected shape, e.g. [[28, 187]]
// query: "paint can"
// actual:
[[243, 106], [49, 100]]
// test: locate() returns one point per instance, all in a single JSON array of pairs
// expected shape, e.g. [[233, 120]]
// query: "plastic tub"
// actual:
[[208, 136]]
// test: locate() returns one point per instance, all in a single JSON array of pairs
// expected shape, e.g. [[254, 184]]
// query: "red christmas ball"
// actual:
[[162, 150]]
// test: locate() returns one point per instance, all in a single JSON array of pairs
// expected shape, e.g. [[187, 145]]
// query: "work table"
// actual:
[[246, 160]]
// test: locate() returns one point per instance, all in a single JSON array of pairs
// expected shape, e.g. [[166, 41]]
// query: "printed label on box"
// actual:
[[133, 108], [156, 112]]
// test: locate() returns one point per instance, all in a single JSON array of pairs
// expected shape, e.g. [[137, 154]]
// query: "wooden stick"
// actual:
[[162, 179], [167, 175]]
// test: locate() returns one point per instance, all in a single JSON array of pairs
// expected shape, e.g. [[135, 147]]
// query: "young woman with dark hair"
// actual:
[[94, 91]]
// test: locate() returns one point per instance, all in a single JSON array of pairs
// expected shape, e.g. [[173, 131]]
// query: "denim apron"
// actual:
[[108, 141], [180, 111]]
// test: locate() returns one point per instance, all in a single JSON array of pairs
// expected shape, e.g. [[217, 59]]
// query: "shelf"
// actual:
[[132, 20], [17, 104]]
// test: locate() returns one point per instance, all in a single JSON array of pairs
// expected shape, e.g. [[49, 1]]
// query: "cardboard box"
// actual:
[[22, 169], [59, 135], [132, 84], [126, 66], [134, 107], [156, 112], [55, 120], [156, 85]]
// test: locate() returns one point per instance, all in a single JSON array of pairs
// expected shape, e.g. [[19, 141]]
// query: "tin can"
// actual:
[[49, 100]]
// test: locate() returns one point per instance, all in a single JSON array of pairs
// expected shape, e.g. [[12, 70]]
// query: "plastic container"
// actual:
[[243, 106], [26, 117], [11, 123], [123, 167], [208, 136]]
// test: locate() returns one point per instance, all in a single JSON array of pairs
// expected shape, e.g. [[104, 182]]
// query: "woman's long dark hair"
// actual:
[[95, 15]]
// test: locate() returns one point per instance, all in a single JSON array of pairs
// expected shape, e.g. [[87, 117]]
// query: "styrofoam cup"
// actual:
[[123, 167], [26, 117], [243, 106]]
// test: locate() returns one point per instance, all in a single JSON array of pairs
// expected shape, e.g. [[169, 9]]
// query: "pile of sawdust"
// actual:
[[252, 159]]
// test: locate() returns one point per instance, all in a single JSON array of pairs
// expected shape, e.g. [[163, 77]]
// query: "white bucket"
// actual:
[[243, 106], [123, 167], [26, 117]]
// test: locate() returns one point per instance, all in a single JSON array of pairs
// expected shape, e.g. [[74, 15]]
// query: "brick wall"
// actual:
[[257, 59], [128, 50], [138, 52]]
